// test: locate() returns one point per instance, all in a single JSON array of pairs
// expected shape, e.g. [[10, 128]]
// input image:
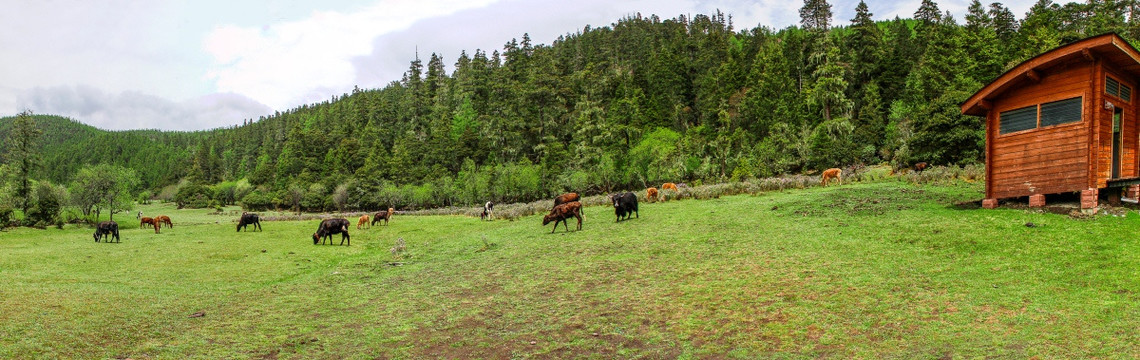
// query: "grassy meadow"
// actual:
[[871, 270]]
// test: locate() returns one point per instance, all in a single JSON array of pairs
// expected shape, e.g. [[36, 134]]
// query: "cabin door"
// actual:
[[1117, 118]]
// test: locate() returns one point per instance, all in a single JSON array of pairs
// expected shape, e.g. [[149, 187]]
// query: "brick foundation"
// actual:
[[1037, 200], [1089, 199], [1132, 192], [989, 203]]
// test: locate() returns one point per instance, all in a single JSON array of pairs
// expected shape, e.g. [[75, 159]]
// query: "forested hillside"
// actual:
[[646, 100], [66, 145]]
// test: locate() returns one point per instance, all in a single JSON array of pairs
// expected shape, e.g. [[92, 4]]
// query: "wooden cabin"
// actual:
[[1063, 122]]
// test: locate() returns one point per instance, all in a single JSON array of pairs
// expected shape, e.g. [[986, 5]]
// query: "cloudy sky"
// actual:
[[200, 64]]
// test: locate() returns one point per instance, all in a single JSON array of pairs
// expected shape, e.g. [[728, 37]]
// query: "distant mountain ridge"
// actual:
[[66, 145]]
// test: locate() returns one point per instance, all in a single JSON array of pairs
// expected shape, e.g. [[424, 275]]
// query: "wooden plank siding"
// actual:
[[1042, 160]]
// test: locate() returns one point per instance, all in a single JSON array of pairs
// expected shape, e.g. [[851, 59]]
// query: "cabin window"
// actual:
[[1019, 119], [1061, 112], [1115, 88]]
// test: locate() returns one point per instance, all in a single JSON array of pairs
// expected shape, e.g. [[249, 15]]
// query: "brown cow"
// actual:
[[669, 186], [919, 167], [832, 173], [163, 219], [565, 198], [651, 194], [383, 215], [146, 221], [363, 222], [563, 212]]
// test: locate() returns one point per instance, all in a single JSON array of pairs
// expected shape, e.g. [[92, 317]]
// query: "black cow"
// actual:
[[107, 229], [249, 219], [330, 227], [624, 205]]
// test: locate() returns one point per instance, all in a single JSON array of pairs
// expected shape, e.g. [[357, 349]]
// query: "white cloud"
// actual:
[[136, 110], [281, 64]]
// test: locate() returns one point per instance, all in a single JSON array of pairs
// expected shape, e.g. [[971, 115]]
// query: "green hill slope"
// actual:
[[66, 145]]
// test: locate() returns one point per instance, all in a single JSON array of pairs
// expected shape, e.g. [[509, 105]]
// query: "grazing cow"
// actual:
[[249, 219], [363, 222], [107, 230], [564, 212], [163, 219], [330, 227], [146, 221], [383, 215], [832, 173], [651, 194], [669, 186], [919, 167], [488, 211], [624, 205]]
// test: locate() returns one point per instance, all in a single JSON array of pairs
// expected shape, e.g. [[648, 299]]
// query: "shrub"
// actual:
[[257, 201], [49, 199], [5, 216], [193, 196], [315, 198], [144, 197]]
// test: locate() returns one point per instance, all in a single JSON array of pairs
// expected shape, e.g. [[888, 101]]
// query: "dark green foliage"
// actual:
[[643, 101], [48, 201], [193, 196], [257, 201], [5, 216], [815, 15], [22, 156]]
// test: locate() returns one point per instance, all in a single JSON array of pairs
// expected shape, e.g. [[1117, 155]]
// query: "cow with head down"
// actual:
[[488, 211], [831, 174], [651, 194], [248, 219], [330, 227], [562, 213]]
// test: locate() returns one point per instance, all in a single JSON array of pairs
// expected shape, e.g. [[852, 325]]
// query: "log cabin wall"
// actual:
[[1044, 159]]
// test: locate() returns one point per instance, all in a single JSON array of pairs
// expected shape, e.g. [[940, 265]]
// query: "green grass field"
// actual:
[[873, 270]]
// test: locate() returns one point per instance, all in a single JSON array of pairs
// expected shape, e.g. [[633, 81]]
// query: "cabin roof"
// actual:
[[1110, 47]]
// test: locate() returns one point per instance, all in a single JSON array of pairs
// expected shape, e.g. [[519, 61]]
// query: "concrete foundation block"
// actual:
[[990, 203]]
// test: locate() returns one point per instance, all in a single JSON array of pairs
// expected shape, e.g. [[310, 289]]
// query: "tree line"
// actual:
[[643, 101]]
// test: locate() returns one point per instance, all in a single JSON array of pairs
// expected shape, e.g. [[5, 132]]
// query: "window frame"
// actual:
[[1084, 94], [1120, 85]]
